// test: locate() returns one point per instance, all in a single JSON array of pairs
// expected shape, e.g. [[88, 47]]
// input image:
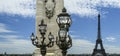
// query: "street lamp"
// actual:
[[64, 40], [42, 28], [43, 46], [64, 20]]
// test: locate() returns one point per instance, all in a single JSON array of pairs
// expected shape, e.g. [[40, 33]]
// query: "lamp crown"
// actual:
[[50, 33], [42, 21], [32, 35], [64, 9]]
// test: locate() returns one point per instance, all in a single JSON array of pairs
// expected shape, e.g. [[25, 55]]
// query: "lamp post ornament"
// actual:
[[43, 46], [64, 40]]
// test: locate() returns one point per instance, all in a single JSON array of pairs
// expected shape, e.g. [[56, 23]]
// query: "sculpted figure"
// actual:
[[50, 5]]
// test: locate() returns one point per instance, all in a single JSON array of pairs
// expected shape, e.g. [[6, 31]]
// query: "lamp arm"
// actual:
[[33, 43], [50, 44], [43, 39], [36, 44]]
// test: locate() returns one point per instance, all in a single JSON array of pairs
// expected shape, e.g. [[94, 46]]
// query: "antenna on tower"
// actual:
[[99, 28]]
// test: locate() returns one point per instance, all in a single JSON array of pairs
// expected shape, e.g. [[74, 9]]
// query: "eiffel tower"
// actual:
[[101, 51]]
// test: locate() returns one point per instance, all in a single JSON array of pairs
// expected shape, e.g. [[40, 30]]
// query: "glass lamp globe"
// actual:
[[64, 19], [51, 37], [32, 37], [62, 34]]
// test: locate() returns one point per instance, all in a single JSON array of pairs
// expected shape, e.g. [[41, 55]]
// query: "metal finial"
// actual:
[[50, 33], [64, 9], [32, 34], [42, 21], [45, 0]]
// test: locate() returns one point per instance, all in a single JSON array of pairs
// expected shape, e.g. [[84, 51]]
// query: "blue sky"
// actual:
[[17, 22]]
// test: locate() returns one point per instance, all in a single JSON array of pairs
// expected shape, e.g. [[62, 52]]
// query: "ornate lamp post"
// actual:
[[64, 40], [64, 20], [43, 46]]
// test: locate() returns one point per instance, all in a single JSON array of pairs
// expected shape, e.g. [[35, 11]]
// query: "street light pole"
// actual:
[[64, 40], [43, 46]]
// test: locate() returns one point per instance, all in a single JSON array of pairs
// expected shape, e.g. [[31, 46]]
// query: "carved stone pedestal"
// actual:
[[49, 53]]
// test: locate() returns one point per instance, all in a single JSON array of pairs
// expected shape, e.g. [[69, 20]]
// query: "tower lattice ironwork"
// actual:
[[101, 50]]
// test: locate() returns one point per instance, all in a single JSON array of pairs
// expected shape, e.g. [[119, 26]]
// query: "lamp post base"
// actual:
[[56, 52], [37, 52]]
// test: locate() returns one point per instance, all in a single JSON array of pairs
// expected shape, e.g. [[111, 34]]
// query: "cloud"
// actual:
[[111, 39], [112, 49], [81, 42], [83, 8], [3, 29], [89, 8], [18, 7], [81, 46], [14, 44]]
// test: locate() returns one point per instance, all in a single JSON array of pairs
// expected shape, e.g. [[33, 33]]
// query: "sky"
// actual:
[[17, 22]]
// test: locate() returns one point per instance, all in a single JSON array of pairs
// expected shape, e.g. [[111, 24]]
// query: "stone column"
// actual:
[[51, 25], [40, 14]]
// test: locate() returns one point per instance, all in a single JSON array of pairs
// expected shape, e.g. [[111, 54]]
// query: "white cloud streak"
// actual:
[[81, 46], [14, 44], [18, 7], [111, 39], [112, 49], [3, 29], [83, 8], [89, 8]]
